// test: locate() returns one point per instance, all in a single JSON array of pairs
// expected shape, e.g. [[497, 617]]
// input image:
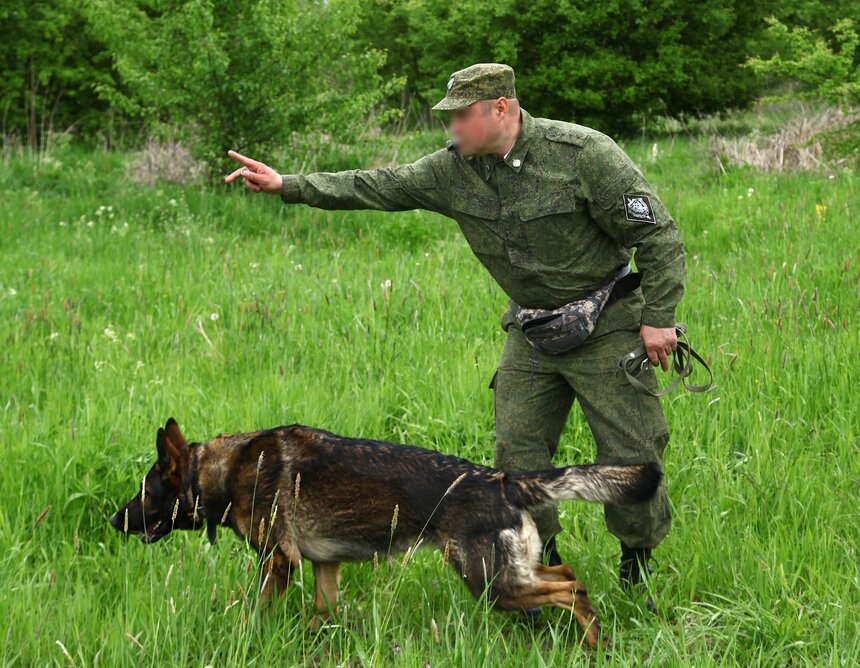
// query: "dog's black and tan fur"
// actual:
[[297, 492]]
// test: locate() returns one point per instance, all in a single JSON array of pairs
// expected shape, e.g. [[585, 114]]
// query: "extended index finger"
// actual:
[[238, 157]]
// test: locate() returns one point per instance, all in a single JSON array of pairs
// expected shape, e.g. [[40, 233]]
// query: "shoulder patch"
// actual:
[[638, 209]]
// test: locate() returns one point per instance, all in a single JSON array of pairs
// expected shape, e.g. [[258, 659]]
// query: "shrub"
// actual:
[[819, 67], [218, 74]]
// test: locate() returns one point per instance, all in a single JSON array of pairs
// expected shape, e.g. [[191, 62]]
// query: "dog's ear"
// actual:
[[168, 453], [174, 435]]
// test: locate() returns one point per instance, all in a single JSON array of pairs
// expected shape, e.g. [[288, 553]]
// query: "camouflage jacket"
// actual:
[[551, 221]]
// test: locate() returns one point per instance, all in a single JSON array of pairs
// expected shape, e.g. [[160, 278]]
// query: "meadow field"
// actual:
[[122, 305]]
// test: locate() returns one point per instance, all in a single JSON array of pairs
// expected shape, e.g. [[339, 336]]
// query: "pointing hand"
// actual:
[[256, 176]]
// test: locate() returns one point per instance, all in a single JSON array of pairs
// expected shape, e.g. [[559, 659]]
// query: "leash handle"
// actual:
[[682, 363]]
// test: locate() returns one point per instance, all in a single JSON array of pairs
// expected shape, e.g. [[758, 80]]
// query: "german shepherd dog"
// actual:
[[297, 492]]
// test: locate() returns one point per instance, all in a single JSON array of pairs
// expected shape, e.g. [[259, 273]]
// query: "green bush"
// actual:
[[299, 73], [243, 75], [50, 62], [618, 66], [821, 66], [611, 65]]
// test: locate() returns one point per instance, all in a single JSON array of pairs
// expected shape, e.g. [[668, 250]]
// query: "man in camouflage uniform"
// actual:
[[552, 210]]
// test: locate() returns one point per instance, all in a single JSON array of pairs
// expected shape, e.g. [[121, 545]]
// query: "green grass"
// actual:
[[108, 330]]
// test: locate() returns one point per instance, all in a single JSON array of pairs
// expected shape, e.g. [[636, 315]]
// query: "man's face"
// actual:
[[474, 127]]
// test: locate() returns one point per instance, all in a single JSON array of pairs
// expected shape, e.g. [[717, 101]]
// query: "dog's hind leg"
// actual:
[[569, 595], [327, 581], [560, 573], [587, 617]]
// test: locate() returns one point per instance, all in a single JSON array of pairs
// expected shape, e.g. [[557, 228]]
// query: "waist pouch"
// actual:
[[559, 330]]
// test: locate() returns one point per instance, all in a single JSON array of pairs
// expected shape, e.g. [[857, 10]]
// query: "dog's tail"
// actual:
[[600, 483]]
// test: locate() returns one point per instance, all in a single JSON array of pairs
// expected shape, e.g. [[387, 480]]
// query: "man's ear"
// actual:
[[501, 106]]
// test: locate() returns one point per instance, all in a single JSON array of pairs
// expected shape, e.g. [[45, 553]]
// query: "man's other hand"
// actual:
[[256, 176], [659, 344]]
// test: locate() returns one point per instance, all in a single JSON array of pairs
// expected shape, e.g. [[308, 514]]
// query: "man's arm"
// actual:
[[626, 207], [410, 186]]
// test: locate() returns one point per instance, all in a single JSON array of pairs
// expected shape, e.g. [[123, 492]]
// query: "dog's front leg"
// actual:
[[276, 571], [327, 581]]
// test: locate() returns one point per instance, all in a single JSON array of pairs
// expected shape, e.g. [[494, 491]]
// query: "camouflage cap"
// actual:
[[483, 81]]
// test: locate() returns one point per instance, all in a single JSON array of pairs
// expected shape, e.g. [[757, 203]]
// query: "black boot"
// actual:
[[551, 556], [634, 565]]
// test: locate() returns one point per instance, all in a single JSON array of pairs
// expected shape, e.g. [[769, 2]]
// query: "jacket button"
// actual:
[[517, 162]]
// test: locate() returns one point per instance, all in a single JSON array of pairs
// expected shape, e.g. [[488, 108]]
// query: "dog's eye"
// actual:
[[155, 487]]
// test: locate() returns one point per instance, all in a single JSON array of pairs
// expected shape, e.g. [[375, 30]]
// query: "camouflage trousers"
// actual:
[[534, 392]]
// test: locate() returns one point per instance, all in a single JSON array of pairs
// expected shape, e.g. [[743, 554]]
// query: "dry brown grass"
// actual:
[[168, 161], [797, 145]]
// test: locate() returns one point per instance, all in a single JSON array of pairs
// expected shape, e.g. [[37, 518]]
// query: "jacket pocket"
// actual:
[[478, 217], [547, 204], [548, 225]]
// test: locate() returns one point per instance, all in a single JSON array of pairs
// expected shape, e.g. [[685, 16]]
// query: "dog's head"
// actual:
[[162, 502]]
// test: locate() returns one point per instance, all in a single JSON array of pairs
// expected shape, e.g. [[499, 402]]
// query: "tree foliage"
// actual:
[[243, 75], [257, 74], [50, 62], [825, 66], [819, 65], [610, 65]]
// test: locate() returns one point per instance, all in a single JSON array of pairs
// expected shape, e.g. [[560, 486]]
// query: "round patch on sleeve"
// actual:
[[638, 208]]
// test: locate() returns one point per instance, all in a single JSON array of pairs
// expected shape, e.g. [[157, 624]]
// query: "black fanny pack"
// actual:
[[560, 330]]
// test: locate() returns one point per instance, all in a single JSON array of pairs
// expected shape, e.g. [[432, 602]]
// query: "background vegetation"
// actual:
[[293, 74], [132, 290], [125, 305]]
